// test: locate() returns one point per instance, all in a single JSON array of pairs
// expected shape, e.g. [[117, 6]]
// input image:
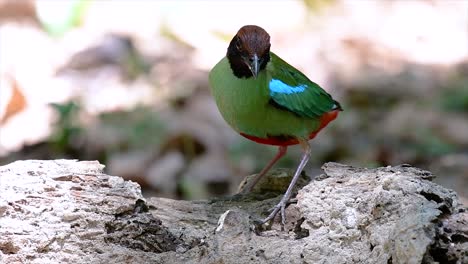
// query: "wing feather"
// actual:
[[293, 91]]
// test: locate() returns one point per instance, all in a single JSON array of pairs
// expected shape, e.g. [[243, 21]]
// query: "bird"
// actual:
[[268, 101]]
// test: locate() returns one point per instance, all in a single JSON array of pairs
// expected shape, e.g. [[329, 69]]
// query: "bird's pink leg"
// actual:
[[281, 152], [282, 204]]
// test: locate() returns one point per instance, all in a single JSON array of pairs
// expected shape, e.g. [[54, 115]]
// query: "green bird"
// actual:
[[268, 101]]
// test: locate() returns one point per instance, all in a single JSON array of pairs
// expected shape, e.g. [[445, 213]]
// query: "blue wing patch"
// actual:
[[278, 87], [292, 91]]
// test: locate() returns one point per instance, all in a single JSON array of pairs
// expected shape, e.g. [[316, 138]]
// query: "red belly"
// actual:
[[287, 141]]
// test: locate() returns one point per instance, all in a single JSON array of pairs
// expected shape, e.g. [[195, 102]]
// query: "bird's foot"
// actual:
[[279, 208]]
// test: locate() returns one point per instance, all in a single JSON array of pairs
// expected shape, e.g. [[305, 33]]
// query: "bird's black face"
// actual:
[[249, 51]]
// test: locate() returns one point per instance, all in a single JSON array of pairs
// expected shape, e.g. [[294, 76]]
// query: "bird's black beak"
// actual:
[[253, 65]]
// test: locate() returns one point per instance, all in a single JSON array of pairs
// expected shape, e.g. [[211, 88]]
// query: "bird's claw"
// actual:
[[280, 207]]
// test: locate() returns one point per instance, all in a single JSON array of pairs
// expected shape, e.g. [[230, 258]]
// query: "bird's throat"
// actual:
[[238, 64], [239, 68]]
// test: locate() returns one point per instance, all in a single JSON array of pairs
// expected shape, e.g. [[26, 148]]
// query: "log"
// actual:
[[68, 211]]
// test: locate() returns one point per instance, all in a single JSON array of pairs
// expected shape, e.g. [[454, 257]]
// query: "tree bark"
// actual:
[[65, 211]]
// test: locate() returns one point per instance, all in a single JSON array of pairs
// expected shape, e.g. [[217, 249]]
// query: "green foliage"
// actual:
[[58, 23], [138, 128], [222, 35], [135, 65], [430, 144], [167, 32], [67, 127], [134, 129], [455, 98], [191, 190], [315, 6]]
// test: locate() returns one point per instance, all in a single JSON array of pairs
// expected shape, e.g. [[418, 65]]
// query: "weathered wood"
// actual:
[[65, 211]]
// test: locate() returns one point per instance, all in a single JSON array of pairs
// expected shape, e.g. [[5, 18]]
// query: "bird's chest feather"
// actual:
[[244, 105], [242, 102]]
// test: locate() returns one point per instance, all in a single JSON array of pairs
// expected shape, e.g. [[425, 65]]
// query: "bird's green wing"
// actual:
[[292, 91]]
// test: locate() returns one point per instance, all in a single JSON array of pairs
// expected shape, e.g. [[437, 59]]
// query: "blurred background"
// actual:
[[125, 83]]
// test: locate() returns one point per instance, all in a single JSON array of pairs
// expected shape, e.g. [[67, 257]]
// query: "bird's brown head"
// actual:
[[249, 51]]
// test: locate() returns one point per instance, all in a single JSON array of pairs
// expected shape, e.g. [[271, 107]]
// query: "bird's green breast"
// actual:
[[245, 105]]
